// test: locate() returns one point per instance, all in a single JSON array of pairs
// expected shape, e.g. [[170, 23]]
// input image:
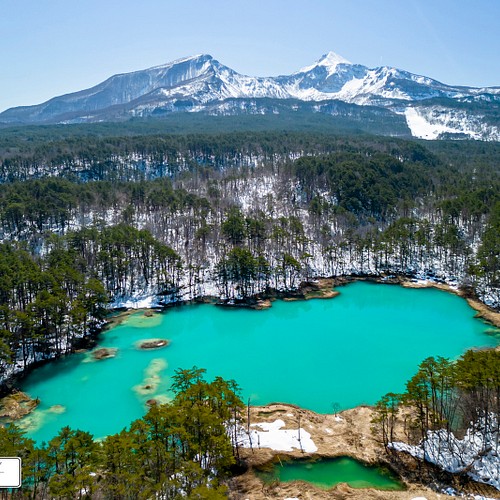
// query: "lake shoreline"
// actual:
[[317, 288], [325, 288]]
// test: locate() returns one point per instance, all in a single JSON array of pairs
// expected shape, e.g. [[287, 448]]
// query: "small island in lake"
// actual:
[[148, 344]]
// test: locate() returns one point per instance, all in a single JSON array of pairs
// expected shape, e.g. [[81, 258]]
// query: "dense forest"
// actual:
[[90, 220]]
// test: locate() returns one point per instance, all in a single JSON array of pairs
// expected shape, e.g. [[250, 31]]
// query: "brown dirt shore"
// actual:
[[346, 434]]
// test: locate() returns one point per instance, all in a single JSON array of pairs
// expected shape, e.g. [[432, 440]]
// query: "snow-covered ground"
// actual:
[[477, 454], [139, 301], [430, 123]]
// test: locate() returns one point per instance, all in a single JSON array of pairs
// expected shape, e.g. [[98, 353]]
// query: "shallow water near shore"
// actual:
[[327, 473], [316, 354]]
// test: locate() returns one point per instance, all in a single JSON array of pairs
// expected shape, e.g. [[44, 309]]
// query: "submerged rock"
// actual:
[[104, 353], [58, 409], [262, 304], [152, 378]]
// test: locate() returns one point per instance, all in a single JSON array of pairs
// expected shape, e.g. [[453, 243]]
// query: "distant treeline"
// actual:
[[91, 153]]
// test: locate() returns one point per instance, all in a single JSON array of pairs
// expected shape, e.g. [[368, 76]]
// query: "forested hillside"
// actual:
[[92, 218]]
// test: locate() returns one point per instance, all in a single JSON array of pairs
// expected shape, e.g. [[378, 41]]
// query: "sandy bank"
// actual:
[[485, 312], [334, 435]]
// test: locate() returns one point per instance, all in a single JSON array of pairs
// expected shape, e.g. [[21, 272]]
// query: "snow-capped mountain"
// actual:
[[202, 84]]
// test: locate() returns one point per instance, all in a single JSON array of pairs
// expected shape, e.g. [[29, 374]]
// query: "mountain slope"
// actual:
[[202, 84]]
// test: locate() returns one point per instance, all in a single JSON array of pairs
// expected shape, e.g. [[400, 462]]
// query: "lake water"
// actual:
[[326, 473], [348, 351]]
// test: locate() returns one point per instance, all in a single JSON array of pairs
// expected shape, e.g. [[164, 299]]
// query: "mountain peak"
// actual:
[[196, 57], [330, 60]]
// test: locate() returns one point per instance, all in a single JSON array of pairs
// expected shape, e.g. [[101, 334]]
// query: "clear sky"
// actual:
[[53, 47]]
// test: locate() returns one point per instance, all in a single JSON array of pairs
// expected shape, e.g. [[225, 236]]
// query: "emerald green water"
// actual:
[[348, 350], [327, 473]]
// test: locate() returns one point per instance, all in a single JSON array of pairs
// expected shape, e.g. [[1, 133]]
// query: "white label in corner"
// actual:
[[10, 472]]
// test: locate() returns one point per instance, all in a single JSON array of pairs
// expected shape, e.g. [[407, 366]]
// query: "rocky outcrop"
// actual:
[[17, 405]]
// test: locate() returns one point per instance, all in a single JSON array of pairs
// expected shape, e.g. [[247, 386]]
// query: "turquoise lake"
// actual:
[[348, 350], [327, 473]]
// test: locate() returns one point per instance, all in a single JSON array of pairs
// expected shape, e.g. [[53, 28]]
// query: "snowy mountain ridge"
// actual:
[[200, 83]]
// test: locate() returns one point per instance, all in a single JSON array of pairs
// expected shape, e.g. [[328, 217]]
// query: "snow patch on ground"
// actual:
[[430, 123], [135, 302], [273, 436], [422, 128]]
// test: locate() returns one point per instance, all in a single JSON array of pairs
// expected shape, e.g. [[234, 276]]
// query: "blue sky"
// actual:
[[52, 47]]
